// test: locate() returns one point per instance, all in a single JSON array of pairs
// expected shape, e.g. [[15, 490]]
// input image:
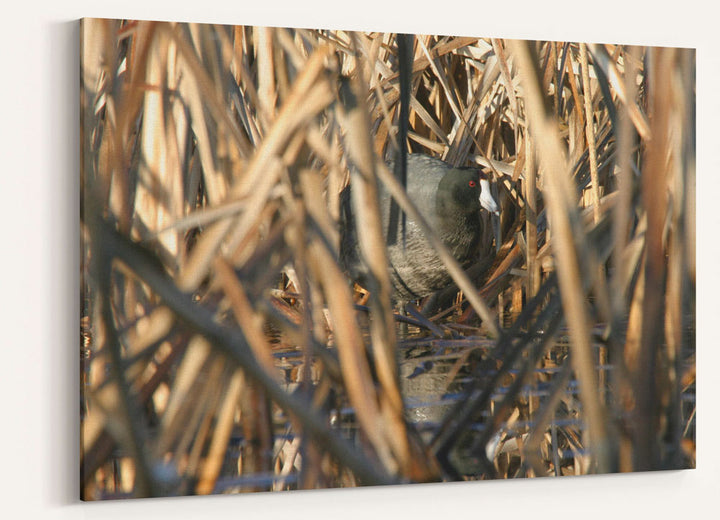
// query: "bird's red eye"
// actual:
[[471, 184]]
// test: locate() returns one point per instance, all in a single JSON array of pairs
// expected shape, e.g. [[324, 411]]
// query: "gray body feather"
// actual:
[[416, 269]]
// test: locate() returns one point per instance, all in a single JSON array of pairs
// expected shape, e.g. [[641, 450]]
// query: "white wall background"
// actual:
[[38, 233]]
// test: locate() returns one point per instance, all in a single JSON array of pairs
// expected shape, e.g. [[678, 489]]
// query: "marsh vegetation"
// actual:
[[224, 348]]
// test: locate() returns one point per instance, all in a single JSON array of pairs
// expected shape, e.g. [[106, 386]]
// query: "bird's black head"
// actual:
[[461, 191]]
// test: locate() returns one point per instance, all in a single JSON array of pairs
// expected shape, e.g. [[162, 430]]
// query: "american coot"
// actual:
[[450, 199]]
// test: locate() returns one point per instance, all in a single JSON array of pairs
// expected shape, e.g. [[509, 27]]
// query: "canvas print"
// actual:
[[319, 258]]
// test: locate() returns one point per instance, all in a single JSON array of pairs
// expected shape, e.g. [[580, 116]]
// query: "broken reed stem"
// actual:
[[245, 315], [235, 346], [619, 281], [590, 131], [366, 207], [132, 432], [654, 187], [530, 184], [351, 351], [545, 416], [210, 470], [624, 175], [173, 420], [257, 175], [567, 241]]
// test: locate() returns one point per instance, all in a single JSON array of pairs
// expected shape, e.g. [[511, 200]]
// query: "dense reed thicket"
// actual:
[[225, 350]]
